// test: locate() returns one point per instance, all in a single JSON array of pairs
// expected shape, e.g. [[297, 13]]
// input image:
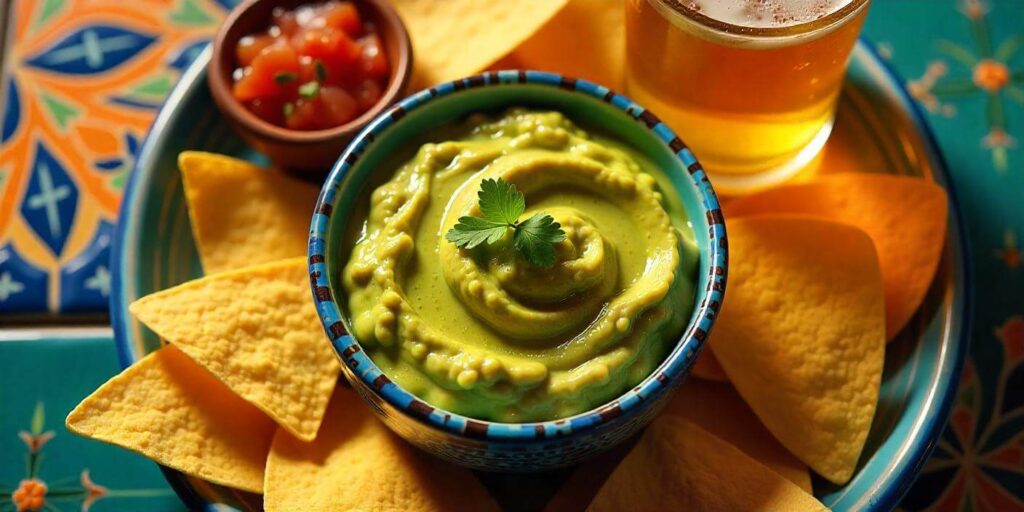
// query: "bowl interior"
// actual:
[[398, 142]]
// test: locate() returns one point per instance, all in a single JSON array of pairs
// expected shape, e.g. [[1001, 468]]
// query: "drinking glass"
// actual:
[[753, 98]]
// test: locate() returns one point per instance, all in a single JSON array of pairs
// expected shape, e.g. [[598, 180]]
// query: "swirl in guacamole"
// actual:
[[491, 331]]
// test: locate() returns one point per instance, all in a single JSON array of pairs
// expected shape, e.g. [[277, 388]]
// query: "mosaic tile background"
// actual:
[[82, 82]]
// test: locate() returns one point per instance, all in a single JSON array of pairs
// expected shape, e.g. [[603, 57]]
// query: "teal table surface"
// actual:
[[40, 382], [963, 61]]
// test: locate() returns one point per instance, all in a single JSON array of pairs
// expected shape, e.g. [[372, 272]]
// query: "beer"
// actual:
[[750, 85]]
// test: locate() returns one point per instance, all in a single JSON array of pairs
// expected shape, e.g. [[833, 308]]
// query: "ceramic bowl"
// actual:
[[317, 150], [487, 445]]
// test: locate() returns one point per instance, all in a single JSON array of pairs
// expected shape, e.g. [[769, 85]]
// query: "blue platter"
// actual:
[[153, 249]]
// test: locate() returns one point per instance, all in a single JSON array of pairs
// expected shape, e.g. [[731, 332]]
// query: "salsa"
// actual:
[[317, 66]]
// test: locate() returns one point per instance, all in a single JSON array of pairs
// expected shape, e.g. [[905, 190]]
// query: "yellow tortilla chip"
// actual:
[[713, 406], [357, 464], [716, 407], [707, 367], [586, 39], [455, 38], [801, 334], [576, 493], [242, 214], [677, 465], [169, 409], [904, 216], [256, 329]]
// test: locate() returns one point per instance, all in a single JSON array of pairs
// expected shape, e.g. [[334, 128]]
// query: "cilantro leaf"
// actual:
[[309, 90], [321, 71], [536, 238], [500, 201], [473, 231], [283, 77], [501, 205]]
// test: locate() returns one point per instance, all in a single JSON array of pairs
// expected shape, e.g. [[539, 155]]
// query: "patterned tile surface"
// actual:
[[83, 81], [84, 78], [965, 65], [39, 457]]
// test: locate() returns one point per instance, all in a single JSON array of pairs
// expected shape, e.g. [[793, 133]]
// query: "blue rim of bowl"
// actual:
[[669, 372]]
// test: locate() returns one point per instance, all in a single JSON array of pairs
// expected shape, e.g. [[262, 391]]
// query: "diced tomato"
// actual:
[[344, 16], [270, 110], [251, 46], [307, 68], [308, 16], [261, 80], [285, 21], [367, 94], [303, 116], [339, 107], [373, 63], [252, 86], [333, 48], [317, 66]]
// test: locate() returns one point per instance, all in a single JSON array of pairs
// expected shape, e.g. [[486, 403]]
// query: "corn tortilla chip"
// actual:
[[586, 39], [713, 406], [576, 493], [801, 334], [256, 329], [716, 407], [171, 410], [904, 216], [455, 38], [242, 214], [707, 367], [357, 464], [678, 465]]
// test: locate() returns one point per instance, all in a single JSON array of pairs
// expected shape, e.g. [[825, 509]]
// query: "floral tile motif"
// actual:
[[991, 75], [44, 467], [82, 82], [34, 492], [966, 70]]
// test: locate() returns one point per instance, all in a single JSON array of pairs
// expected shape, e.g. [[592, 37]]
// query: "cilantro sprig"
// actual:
[[501, 205]]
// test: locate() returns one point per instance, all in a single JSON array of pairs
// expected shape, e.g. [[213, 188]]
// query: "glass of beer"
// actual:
[[750, 85]]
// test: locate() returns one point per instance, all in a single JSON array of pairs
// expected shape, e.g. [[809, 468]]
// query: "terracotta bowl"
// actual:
[[311, 151]]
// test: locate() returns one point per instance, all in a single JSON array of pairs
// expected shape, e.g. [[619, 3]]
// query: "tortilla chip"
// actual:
[[717, 408], [586, 39], [576, 493], [357, 464], [242, 214], [707, 367], [455, 38], [256, 329], [801, 334], [904, 216], [167, 408], [677, 465]]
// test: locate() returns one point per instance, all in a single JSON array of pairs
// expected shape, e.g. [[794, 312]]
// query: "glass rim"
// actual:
[[803, 28]]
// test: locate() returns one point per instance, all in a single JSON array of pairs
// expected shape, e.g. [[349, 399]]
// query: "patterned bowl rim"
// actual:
[[713, 263]]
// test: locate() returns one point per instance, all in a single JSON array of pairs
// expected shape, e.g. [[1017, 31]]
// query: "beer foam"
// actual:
[[765, 13]]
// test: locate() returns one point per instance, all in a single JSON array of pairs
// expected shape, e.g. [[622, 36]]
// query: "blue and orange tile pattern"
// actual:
[[82, 82]]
